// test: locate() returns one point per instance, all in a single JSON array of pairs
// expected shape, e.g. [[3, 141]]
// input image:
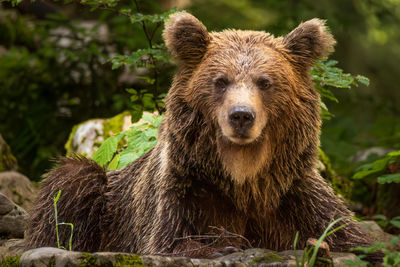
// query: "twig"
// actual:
[[224, 235]]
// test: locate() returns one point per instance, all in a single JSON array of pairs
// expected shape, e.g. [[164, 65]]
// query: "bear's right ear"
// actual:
[[186, 38]]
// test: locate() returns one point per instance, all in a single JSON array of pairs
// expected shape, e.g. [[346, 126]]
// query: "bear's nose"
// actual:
[[241, 118]]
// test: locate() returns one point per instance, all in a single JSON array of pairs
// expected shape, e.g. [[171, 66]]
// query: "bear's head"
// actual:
[[254, 88]]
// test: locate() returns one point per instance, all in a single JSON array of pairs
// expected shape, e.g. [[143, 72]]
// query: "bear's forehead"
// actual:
[[240, 40], [243, 51]]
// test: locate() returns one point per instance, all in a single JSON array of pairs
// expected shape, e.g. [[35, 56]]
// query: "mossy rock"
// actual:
[[8, 162], [10, 261], [267, 258], [128, 260], [110, 259]]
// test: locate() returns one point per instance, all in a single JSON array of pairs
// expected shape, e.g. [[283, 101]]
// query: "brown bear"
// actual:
[[237, 149]]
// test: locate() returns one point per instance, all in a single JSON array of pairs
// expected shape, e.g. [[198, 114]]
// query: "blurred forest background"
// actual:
[[55, 72]]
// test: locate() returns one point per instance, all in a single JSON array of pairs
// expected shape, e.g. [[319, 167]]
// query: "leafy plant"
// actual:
[[325, 74], [391, 258], [55, 200], [120, 150], [149, 58], [311, 261], [56, 71], [384, 221], [378, 169]]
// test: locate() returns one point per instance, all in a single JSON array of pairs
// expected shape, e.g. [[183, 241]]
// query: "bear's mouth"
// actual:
[[240, 138]]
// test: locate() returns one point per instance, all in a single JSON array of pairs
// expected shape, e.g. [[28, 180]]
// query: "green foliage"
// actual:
[[383, 221], [267, 258], [56, 72], [309, 257], [140, 58], [120, 150], [378, 168], [55, 200], [156, 18], [150, 58], [324, 73], [10, 261], [107, 149], [142, 100], [392, 257]]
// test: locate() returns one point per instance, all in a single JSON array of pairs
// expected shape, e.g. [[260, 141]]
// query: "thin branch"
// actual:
[[224, 235], [149, 37]]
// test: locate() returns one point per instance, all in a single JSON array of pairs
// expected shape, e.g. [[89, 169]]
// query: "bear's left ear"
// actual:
[[186, 38], [310, 41]]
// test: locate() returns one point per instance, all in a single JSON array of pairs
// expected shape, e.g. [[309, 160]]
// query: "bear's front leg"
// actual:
[[193, 226], [308, 208], [172, 222]]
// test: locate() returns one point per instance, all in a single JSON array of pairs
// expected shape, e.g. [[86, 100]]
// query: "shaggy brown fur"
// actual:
[[261, 184]]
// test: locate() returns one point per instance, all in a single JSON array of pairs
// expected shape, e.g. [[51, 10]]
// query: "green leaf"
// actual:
[[158, 121], [136, 113], [394, 154], [376, 168], [106, 151], [395, 223], [380, 217], [389, 178], [148, 102], [362, 79], [57, 197], [392, 259], [136, 138], [148, 79], [380, 164], [131, 91], [394, 241], [367, 173], [114, 163], [126, 159], [156, 18], [365, 167]]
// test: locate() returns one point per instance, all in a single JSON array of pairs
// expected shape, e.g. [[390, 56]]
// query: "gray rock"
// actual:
[[375, 232], [5, 205], [254, 257], [364, 154], [11, 247], [167, 261], [18, 188], [370, 226], [12, 219], [43, 257], [339, 258]]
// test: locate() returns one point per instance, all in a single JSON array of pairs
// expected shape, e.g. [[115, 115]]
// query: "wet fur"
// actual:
[[195, 177]]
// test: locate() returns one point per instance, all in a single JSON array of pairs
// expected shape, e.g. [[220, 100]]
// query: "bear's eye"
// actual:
[[221, 82], [263, 83]]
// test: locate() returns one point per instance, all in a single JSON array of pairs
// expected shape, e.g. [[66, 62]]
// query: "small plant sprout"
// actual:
[[63, 223], [314, 251]]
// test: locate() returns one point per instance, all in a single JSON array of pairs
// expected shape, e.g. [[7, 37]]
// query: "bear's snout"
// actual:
[[241, 118]]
